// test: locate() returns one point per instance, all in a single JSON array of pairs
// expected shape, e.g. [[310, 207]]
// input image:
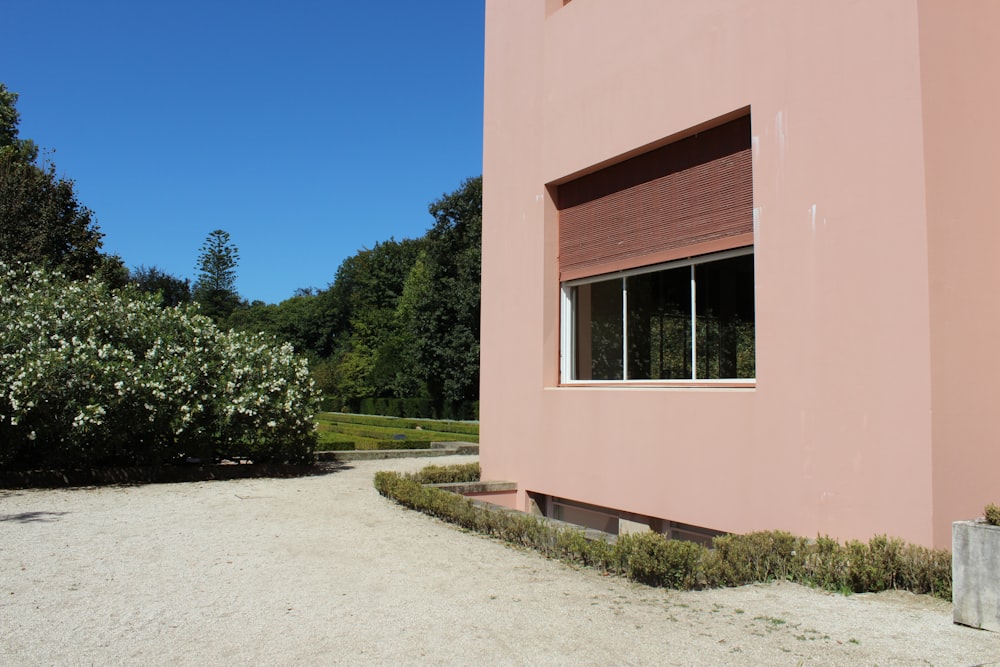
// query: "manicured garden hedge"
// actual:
[[418, 407], [882, 563], [433, 425]]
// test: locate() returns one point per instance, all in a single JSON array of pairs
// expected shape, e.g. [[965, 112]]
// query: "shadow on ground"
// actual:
[[33, 517], [166, 474]]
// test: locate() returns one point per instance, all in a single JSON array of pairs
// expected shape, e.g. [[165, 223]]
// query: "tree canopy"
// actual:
[[41, 219], [400, 320], [9, 117], [171, 290], [215, 287]]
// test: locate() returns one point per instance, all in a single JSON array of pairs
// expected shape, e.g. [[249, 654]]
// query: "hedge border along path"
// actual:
[[881, 564]]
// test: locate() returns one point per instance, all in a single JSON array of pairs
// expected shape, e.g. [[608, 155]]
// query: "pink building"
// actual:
[[741, 263]]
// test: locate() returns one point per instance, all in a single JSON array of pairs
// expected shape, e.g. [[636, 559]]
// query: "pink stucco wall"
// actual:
[[874, 329], [960, 58], [506, 499]]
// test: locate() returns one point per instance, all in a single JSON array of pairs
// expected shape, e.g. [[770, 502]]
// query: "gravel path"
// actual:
[[322, 570]]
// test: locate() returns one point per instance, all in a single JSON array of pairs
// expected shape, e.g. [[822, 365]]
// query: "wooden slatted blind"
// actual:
[[687, 198]]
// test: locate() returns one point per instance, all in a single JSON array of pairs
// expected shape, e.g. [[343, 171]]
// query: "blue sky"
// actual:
[[307, 130]]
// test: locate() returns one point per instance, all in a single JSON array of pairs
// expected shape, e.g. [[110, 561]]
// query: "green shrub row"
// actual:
[[461, 472], [650, 558], [422, 408], [383, 433], [398, 407], [337, 446], [334, 442], [439, 426], [366, 443]]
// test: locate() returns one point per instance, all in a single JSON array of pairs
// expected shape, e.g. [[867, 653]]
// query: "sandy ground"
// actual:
[[322, 570]]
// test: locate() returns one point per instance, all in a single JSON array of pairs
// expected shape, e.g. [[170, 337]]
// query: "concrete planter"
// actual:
[[975, 566]]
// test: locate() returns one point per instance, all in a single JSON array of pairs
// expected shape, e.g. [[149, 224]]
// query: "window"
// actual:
[[684, 320], [656, 263]]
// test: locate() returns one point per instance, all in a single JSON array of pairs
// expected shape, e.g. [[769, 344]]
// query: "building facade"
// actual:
[[740, 264]]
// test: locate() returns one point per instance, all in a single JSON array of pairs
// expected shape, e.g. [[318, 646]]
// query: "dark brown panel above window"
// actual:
[[687, 198]]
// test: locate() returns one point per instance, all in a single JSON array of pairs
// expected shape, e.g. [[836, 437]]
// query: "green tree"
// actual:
[[445, 303], [41, 219], [296, 320], [9, 117], [112, 271], [215, 287], [397, 360], [362, 304], [171, 290]]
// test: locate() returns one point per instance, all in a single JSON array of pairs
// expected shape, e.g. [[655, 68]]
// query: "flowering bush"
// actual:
[[92, 376]]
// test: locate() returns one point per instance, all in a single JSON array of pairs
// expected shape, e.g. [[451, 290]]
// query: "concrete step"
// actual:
[[460, 447], [436, 449]]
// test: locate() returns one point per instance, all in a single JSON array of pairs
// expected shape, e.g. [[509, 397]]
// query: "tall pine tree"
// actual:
[[215, 287]]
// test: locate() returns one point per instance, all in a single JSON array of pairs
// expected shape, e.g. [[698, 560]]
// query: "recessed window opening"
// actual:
[[589, 517], [690, 319], [656, 264]]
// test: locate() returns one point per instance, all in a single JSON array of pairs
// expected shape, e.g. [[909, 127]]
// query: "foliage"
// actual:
[[465, 430], [332, 442], [41, 219], [398, 407], [651, 559], [385, 433], [992, 513], [170, 290], [760, 556], [392, 433], [375, 358], [444, 313], [91, 376], [215, 287], [382, 443], [397, 330], [422, 408], [9, 117], [881, 564], [299, 320], [112, 271], [434, 474], [387, 439]]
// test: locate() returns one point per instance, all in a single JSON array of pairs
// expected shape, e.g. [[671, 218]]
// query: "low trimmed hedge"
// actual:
[[336, 445], [883, 563], [387, 432], [367, 444], [418, 407], [397, 444], [460, 472], [435, 425]]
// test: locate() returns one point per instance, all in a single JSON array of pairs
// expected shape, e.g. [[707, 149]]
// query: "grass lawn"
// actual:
[[338, 430]]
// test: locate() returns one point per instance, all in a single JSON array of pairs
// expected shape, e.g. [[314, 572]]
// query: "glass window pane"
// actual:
[[659, 325], [598, 331], [725, 317]]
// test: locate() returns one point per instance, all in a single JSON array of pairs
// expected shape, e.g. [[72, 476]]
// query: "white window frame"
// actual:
[[567, 347]]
